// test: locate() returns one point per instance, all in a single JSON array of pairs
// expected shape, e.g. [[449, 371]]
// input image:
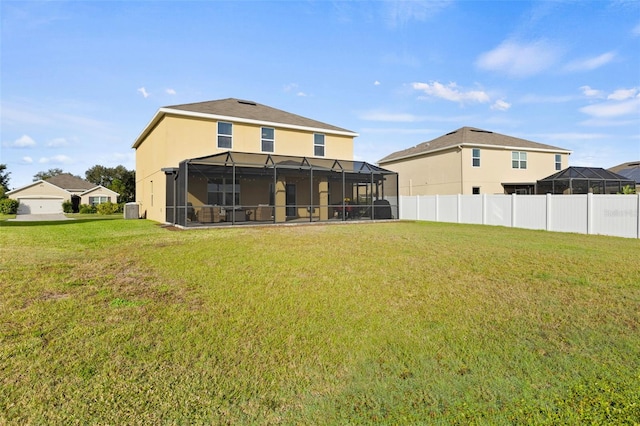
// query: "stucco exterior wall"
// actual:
[[429, 175], [177, 138]]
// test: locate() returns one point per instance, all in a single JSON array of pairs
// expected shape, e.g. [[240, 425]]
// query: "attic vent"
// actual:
[[450, 133], [246, 102], [479, 131]]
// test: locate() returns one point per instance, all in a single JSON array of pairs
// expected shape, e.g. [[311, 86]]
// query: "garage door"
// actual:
[[40, 205]]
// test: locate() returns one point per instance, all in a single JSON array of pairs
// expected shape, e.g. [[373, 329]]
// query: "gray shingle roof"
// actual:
[[70, 183], [250, 110], [630, 170], [470, 136]]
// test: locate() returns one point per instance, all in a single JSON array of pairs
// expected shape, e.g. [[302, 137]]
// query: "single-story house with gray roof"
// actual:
[[47, 196]]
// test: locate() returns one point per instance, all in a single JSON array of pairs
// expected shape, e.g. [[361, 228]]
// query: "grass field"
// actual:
[[125, 322]]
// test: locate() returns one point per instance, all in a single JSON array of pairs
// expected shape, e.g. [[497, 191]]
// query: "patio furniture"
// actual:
[[263, 212]]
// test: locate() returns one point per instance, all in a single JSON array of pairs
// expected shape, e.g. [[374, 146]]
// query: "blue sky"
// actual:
[[80, 80]]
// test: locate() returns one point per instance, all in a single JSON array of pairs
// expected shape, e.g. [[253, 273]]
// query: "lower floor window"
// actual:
[[220, 191], [94, 201]]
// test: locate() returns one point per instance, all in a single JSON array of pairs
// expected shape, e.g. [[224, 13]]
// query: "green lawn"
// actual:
[[123, 321]]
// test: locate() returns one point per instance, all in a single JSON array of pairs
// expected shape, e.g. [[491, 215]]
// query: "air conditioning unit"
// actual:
[[131, 211]]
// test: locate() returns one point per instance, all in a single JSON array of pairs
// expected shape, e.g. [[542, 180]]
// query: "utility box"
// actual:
[[131, 211]]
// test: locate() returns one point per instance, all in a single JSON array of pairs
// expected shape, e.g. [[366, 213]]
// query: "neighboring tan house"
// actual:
[[474, 161], [630, 170], [47, 196], [231, 160]]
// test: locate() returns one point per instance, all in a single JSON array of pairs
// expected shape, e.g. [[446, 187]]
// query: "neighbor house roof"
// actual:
[[630, 170], [238, 110], [70, 182], [471, 137]]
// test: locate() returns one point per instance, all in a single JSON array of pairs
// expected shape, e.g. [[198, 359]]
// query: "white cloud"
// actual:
[[56, 159], [590, 63], [169, 92], [623, 94], [613, 108], [501, 105], [27, 160], [376, 83], [144, 92], [591, 93], [519, 59], [57, 142], [290, 87], [636, 30], [24, 141], [451, 92], [301, 94]]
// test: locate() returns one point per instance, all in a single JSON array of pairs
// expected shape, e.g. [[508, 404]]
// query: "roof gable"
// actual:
[[38, 182], [69, 182], [100, 188], [237, 110], [470, 136]]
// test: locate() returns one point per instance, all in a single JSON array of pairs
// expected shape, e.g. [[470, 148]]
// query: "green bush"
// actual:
[[87, 208], [107, 208], [67, 206], [9, 206]]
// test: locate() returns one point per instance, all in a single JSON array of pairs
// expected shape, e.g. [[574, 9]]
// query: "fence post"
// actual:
[[418, 207], [638, 215], [589, 213], [513, 210], [459, 207], [436, 204], [484, 209], [548, 211]]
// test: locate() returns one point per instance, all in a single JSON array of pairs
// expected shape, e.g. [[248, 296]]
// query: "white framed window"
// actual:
[[558, 162], [99, 199], [518, 160], [267, 139], [318, 145], [475, 157], [225, 135]]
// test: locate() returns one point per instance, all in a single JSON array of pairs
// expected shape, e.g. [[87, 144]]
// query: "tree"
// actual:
[[4, 180], [48, 174], [117, 179]]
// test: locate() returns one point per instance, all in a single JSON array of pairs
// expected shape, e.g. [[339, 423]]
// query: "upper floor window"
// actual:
[[318, 145], [558, 162], [224, 134], [267, 139], [475, 157], [518, 160]]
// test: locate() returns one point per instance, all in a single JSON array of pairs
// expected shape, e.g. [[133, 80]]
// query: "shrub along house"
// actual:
[[235, 161], [474, 161]]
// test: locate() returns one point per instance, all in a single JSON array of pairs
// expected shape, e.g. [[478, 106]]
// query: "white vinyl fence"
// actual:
[[615, 215]]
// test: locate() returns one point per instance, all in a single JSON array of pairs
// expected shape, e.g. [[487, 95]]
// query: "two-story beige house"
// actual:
[[232, 160], [474, 161]]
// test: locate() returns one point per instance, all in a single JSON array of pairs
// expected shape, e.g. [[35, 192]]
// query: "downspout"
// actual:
[[461, 171]]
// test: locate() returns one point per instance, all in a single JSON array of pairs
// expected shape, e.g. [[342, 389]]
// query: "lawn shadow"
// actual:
[[70, 221]]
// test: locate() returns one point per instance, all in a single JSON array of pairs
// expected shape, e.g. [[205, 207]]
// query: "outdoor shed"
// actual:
[[583, 180], [277, 189]]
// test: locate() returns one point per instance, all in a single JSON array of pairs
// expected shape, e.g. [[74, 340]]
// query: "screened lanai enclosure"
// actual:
[[583, 180], [234, 188]]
